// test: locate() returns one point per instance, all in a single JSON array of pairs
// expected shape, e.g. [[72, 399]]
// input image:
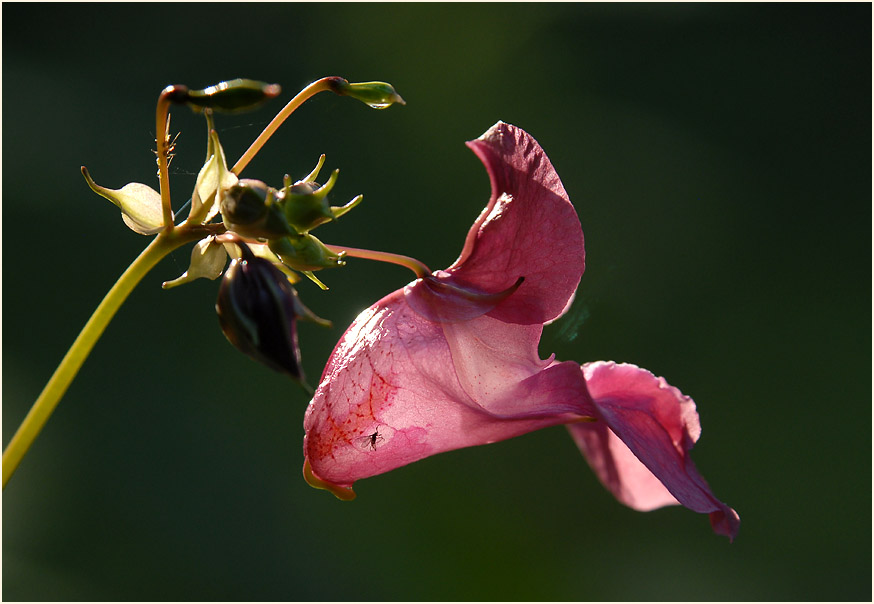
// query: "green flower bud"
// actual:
[[379, 95], [305, 203], [305, 253], [231, 96], [249, 208], [258, 310]]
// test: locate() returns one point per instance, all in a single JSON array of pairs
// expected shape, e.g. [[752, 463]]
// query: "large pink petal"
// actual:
[[644, 456], [399, 388], [529, 229]]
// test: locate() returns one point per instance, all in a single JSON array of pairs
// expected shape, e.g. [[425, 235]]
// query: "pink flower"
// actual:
[[451, 360]]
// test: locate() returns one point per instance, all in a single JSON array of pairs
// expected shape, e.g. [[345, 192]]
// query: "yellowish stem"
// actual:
[[39, 413], [311, 90]]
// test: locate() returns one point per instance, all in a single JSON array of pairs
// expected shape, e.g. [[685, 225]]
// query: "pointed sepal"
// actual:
[[212, 181], [140, 204], [208, 260]]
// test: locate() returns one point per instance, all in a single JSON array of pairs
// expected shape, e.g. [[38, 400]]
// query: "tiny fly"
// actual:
[[371, 439]]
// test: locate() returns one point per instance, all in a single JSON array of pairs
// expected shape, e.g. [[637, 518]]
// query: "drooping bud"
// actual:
[[258, 310], [379, 95], [231, 96], [250, 208]]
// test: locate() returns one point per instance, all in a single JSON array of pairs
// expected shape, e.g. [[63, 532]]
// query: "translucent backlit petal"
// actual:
[[658, 425]]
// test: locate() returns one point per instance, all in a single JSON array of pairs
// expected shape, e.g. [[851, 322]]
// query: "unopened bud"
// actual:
[[305, 253], [258, 310], [378, 95], [249, 208], [305, 204], [231, 96]]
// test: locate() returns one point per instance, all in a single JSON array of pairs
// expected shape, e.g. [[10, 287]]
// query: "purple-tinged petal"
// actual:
[[657, 426], [618, 468], [399, 388], [528, 229]]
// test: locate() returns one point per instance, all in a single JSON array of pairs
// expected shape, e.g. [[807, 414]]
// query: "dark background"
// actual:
[[719, 157]]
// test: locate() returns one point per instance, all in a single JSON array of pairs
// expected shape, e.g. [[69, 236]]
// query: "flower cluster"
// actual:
[[449, 361], [266, 231]]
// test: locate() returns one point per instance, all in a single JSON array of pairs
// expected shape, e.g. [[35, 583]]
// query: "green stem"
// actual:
[[36, 418]]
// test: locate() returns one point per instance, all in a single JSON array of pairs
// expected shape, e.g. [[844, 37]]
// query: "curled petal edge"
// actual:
[[342, 493], [442, 301], [658, 425]]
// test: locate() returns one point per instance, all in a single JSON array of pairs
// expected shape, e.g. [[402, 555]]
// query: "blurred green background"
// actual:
[[719, 157]]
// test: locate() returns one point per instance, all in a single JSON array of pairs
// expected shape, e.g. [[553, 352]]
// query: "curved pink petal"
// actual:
[[528, 229], [399, 388], [643, 459]]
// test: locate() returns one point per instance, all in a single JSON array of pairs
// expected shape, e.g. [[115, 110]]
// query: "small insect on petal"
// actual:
[[372, 440]]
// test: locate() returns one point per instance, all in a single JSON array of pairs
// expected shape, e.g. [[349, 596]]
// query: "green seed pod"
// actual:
[[232, 96], [305, 204], [378, 95], [249, 208], [305, 253]]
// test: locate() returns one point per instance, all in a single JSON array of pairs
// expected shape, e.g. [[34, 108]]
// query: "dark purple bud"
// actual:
[[258, 309]]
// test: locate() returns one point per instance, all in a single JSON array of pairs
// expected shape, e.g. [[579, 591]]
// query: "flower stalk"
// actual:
[[414, 265], [302, 96], [169, 95], [51, 394]]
